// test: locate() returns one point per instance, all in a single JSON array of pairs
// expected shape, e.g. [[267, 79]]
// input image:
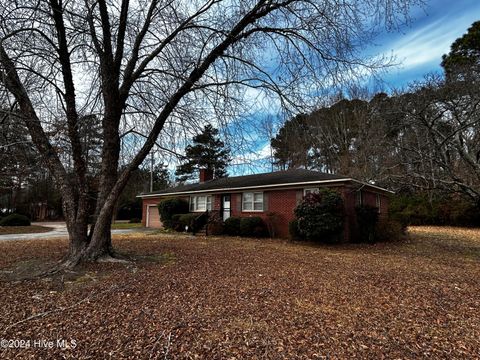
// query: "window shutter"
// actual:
[[265, 201], [239, 202], [299, 196]]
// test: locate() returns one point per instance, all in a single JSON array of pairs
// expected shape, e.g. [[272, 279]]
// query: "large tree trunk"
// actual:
[[100, 245], [77, 245], [85, 248]]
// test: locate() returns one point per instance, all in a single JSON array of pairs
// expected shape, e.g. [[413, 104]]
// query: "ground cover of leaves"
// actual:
[[230, 298]]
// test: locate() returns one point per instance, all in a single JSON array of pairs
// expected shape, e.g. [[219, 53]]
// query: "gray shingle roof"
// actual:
[[274, 178]]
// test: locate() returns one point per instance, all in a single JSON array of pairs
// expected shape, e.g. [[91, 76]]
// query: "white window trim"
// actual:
[[253, 201], [315, 190], [378, 202], [193, 200]]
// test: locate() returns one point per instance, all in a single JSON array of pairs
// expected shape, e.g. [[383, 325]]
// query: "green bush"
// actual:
[[169, 207], [321, 216], [252, 226], [389, 230], [174, 223], [232, 226], [294, 231], [15, 220], [135, 220], [367, 218], [178, 222], [420, 209], [187, 220]]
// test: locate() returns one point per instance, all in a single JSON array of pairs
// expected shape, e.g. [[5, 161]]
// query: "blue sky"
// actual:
[[419, 47]]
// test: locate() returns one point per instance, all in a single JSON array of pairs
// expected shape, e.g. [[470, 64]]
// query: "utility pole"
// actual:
[[151, 170]]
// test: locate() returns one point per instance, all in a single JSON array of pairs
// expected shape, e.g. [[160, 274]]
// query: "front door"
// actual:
[[226, 206]]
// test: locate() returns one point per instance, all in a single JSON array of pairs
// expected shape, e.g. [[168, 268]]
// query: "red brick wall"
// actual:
[[280, 202], [217, 201], [369, 197], [152, 201], [145, 203], [283, 202]]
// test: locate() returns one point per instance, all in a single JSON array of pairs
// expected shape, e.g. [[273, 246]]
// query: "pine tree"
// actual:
[[207, 151], [462, 63]]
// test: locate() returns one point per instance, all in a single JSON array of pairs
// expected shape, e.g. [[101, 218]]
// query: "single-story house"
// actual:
[[263, 194]]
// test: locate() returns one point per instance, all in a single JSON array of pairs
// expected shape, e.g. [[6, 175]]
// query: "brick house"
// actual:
[[265, 194]]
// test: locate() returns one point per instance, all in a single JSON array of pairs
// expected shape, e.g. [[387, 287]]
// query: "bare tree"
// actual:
[[439, 136], [155, 64]]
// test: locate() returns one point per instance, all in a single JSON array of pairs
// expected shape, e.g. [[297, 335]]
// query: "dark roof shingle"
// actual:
[[274, 178]]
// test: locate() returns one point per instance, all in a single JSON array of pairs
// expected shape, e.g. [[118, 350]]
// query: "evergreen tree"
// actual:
[[207, 151], [292, 143], [462, 63]]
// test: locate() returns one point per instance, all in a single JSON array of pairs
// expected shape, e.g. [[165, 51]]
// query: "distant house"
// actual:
[[260, 194]]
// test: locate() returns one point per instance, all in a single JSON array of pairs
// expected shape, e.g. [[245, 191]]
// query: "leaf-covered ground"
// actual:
[[226, 298]]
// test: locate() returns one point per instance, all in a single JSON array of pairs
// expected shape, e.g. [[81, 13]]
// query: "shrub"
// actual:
[[135, 220], [169, 207], [321, 216], [215, 224], [252, 226], [15, 220], [367, 218], [389, 230], [271, 222], [187, 220], [420, 209], [232, 226], [174, 223], [294, 231], [178, 222]]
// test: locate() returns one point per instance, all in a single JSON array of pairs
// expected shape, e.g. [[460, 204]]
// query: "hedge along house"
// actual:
[[271, 196]]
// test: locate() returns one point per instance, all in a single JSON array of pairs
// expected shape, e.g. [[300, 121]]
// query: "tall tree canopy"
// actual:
[[345, 138], [463, 60], [208, 152], [158, 66], [426, 138]]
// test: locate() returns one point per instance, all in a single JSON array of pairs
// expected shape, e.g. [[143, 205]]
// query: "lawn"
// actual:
[[189, 297], [6, 230], [126, 225]]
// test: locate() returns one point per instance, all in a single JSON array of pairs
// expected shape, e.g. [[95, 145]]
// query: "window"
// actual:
[[200, 203], [310, 191], [378, 202], [252, 201], [359, 198]]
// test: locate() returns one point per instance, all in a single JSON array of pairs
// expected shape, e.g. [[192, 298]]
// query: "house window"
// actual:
[[378, 202], [359, 198], [310, 191], [200, 203], [252, 201]]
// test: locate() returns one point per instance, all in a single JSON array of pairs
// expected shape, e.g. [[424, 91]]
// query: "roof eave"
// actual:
[[240, 188]]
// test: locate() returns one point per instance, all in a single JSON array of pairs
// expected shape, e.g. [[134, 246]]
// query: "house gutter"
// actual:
[[239, 188]]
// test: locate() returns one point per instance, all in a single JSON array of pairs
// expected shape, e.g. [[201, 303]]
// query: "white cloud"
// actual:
[[428, 44]]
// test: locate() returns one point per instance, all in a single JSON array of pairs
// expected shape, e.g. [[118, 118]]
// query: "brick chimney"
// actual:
[[206, 175]]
